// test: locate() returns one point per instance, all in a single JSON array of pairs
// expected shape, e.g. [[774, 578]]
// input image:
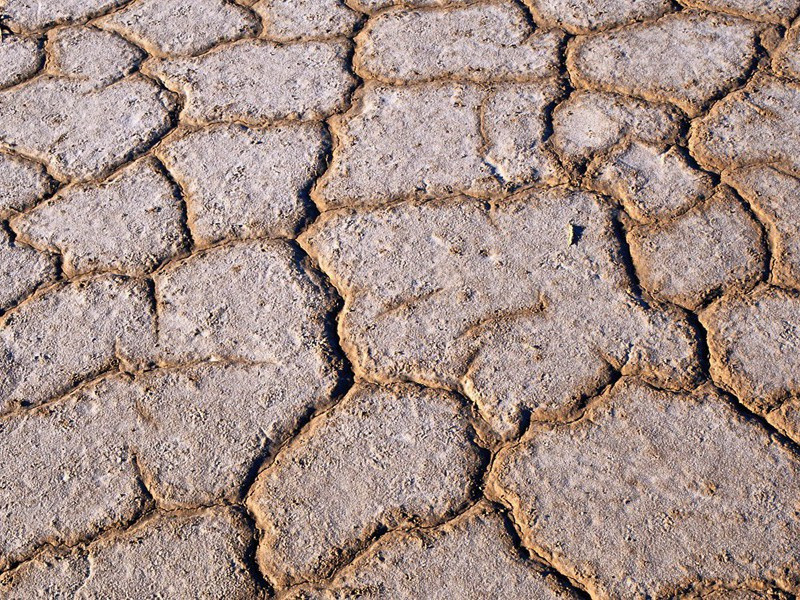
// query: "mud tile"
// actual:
[[200, 555], [581, 16], [20, 59], [590, 123], [485, 42], [64, 335], [243, 182], [178, 27], [758, 124], [371, 6], [200, 431], [786, 418], [687, 58], [80, 131], [288, 20], [22, 183], [67, 475], [515, 123], [51, 575], [399, 142], [439, 293], [41, 14], [650, 181], [786, 59], [358, 469], [709, 250], [658, 477], [22, 270], [130, 223], [771, 11], [775, 199], [254, 301], [88, 53], [255, 81], [754, 343], [471, 557]]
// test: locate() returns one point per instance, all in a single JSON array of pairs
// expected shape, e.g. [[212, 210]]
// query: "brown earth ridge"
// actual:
[[400, 299]]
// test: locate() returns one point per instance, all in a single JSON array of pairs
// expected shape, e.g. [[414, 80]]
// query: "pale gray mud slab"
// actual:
[[272, 307], [244, 182], [289, 20], [708, 251], [471, 557], [583, 16], [70, 332], [130, 223], [88, 53], [486, 42], [22, 271], [40, 14], [67, 475], [754, 342], [256, 81], [651, 182], [687, 58], [23, 182], [80, 131], [176, 27], [160, 554], [775, 198], [658, 477], [757, 124], [357, 470], [438, 293], [20, 59]]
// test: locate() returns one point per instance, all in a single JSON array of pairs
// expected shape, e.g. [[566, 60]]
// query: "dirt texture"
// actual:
[[400, 299]]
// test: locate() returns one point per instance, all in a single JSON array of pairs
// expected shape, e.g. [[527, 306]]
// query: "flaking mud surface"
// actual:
[[458, 299]]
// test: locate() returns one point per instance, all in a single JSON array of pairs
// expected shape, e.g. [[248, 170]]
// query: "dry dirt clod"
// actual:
[[22, 183], [130, 223], [256, 81], [246, 182], [22, 270], [439, 293], [471, 557], [20, 59], [754, 343], [486, 42], [775, 199], [253, 301], [583, 16], [588, 124], [67, 475], [770, 11], [687, 58], [652, 183], [383, 457], [786, 59], [71, 332], [88, 53], [711, 249], [80, 131], [372, 6], [32, 15], [177, 27], [659, 477], [439, 139], [289, 20], [159, 555], [757, 124], [199, 431]]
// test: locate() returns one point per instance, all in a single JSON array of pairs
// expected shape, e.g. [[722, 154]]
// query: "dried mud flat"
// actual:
[[459, 299]]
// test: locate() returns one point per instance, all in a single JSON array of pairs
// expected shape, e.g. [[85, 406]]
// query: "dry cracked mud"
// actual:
[[400, 299]]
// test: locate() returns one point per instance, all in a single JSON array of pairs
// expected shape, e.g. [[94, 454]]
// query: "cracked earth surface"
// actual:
[[402, 299]]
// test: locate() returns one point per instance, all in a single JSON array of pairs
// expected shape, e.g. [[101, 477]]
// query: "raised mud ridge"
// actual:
[[400, 299]]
